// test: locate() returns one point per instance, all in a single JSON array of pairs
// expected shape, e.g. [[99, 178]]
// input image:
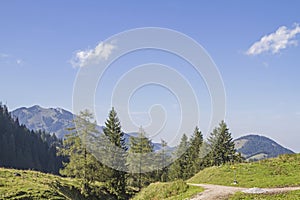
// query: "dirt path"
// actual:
[[218, 192], [215, 192]]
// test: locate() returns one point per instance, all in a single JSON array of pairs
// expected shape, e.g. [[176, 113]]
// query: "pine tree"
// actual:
[[194, 158], [162, 159], [179, 168], [116, 155], [222, 145]]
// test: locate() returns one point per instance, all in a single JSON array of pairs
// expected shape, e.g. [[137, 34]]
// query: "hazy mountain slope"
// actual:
[[56, 120], [258, 147], [52, 120]]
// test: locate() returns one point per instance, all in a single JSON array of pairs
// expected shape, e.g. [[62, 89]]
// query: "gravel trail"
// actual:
[[218, 192]]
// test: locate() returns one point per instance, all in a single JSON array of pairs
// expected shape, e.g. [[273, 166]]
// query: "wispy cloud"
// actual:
[[274, 42], [92, 56], [10, 59]]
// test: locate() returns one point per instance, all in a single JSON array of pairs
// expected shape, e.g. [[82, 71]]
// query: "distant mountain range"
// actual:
[[256, 147], [56, 120]]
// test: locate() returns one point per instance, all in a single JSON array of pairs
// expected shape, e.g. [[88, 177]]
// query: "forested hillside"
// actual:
[[256, 147], [24, 149]]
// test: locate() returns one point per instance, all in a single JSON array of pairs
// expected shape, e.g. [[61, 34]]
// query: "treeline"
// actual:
[[24, 149], [196, 154], [125, 169]]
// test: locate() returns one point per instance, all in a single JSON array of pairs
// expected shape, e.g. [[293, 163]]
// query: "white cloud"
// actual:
[[276, 41], [92, 56], [10, 59]]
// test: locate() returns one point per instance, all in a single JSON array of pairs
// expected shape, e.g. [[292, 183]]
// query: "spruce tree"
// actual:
[[194, 158], [179, 168], [116, 182], [222, 145], [163, 159]]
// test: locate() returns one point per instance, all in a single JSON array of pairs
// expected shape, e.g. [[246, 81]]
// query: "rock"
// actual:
[[17, 174], [254, 191]]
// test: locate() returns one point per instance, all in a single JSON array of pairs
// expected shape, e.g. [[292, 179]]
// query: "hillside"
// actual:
[[25, 184], [275, 172], [170, 190], [256, 147], [24, 149], [51, 120]]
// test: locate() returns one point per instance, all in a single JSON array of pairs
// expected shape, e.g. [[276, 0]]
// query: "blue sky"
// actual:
[[39, 38]]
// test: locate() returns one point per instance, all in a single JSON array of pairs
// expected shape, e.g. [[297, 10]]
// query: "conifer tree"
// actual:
[[24, 149], [222, 145], [194, 158], [140, 160], [179, 168], [81, 164], [116, 182], [163, 159]]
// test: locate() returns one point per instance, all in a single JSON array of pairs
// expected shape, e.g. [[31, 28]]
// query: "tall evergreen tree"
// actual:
[[116, 182], [140, 160], [179, 168], [190, 161], [81, 164], [222, 145], [194, 158], [163, 159]]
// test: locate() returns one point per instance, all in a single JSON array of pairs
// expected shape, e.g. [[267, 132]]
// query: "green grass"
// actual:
[[276, 172], [175, 190], [37, 185], [293, 195]]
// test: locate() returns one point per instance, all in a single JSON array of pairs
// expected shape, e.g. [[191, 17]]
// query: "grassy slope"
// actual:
[[276, 172], [170, 191], [36, 185]]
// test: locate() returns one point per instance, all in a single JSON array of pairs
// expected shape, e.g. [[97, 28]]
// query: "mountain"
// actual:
[[56, 120], [51, 120], [256, 147]]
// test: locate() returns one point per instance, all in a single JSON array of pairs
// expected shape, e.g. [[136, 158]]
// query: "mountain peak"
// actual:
[[34, 107], [51, 120], [256, 147]]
